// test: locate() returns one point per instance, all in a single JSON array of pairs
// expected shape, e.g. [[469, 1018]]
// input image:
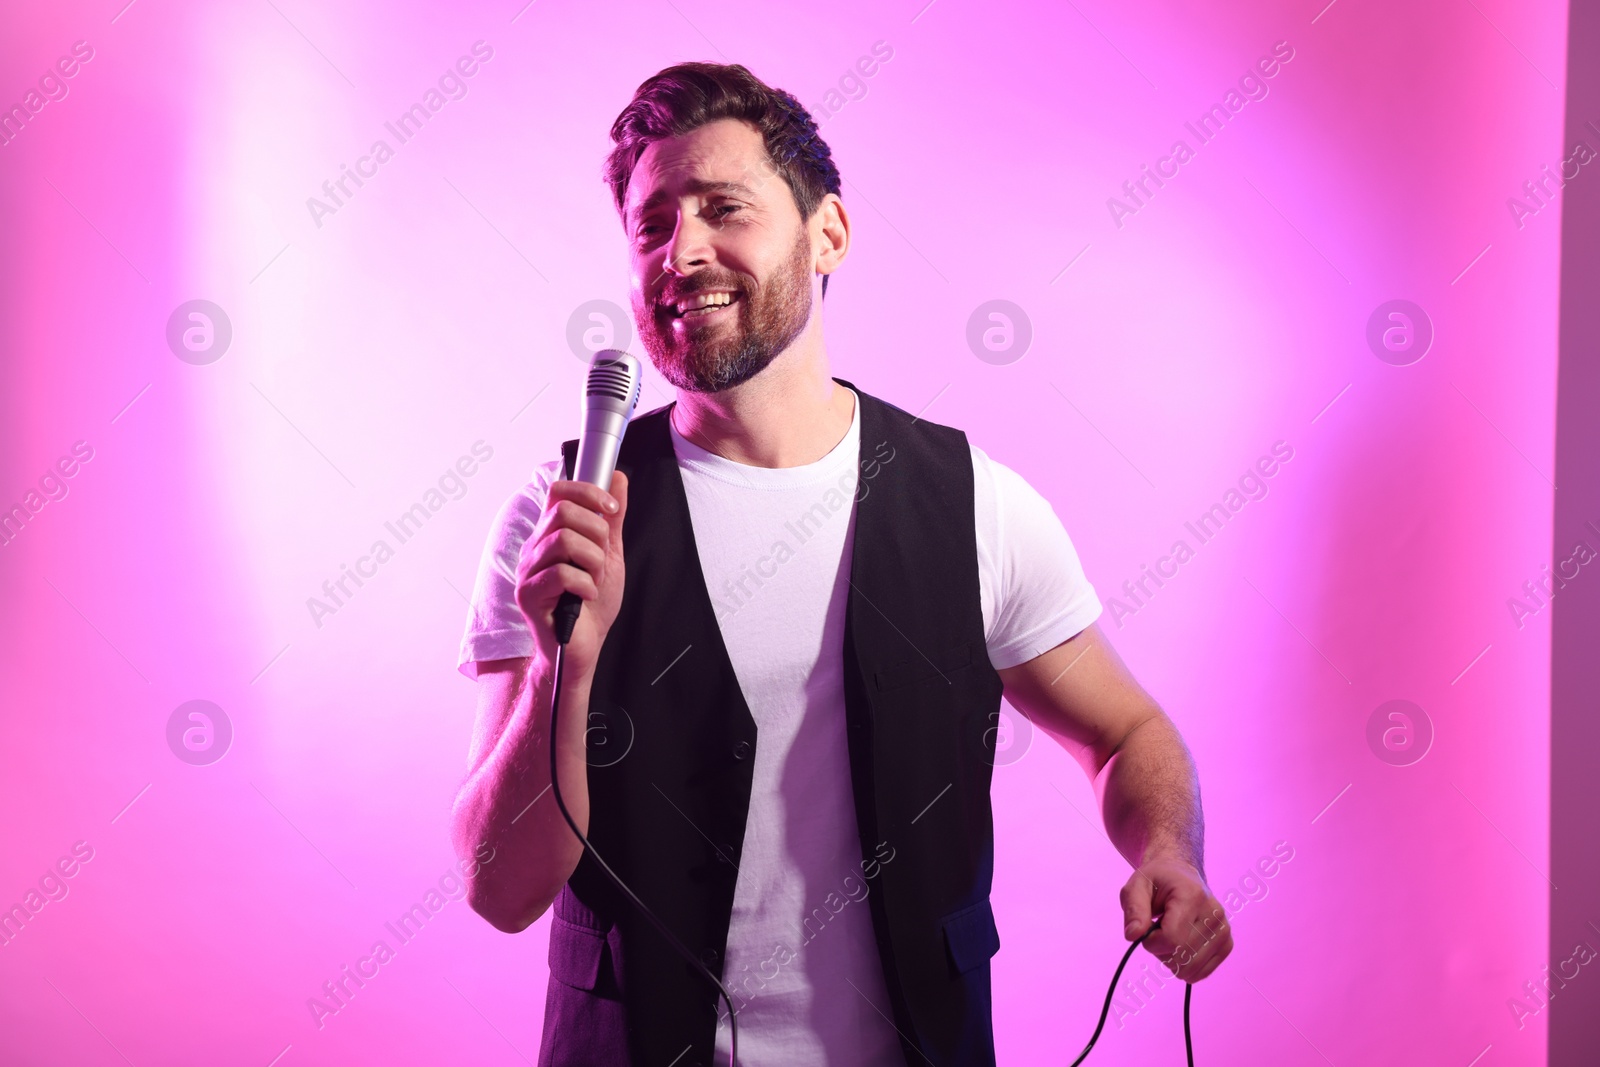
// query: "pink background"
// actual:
[[370, 352]]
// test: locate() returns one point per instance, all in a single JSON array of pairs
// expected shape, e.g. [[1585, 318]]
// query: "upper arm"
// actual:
[[498, 641], [500, 685], [1081, 693], [496, 631]]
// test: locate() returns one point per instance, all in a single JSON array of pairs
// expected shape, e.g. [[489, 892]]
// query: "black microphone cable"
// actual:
[[565, 618], [1188, 990]]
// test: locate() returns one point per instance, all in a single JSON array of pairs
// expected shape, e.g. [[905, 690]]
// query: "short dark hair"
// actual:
[[687, 96]]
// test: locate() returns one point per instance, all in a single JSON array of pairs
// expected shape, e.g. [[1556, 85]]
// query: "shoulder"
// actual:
[[532, 493], [998, 481], [891, 419], [496, 628], [1009, 507], [1039, 593], [1013, 517], [937, 457], [521, 509], [993, 494]]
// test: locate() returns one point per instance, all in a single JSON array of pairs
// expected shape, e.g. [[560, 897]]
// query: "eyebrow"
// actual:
[[694, 185]]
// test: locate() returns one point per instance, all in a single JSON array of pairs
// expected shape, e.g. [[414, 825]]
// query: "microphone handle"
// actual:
[[598, 449], [566, 616]]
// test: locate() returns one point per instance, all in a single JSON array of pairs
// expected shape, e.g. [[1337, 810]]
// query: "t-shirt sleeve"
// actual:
[[496, 628], [1035, 592]]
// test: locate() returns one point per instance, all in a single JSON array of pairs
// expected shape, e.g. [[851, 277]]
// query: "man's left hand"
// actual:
[[1194, 936]]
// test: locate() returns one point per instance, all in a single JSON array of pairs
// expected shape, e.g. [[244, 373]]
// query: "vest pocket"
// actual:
[[923, 667], [575, 953], [970, 936]]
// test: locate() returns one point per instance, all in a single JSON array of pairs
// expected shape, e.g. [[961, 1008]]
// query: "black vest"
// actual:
[[671, 742]]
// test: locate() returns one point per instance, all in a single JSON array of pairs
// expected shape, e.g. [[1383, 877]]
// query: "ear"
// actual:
[[830, 228]]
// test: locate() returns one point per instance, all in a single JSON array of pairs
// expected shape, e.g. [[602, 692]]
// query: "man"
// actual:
[[778, 709]]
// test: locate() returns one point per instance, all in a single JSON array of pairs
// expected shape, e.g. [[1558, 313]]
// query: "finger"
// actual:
[[1218, 946], [1136, 898], [1197, 938], [567, 546], [1173, 954], [619, 490], [538, 596], [566, 521], [1185, 962], [590, 496], [1179, 933], [1203, 921], [1210, 964], [1195, 967], [565, 549], [1170, 947], [571, 515]]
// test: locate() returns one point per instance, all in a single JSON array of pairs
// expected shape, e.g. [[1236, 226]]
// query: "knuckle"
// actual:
[[576, 517], [573, 543], [564, 513], [578, 579]]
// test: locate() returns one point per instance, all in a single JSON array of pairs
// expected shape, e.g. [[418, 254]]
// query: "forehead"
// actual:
[[727, 155]]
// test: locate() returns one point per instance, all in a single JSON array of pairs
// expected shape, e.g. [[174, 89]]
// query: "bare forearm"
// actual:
[[506, 802], [1148, 789], [1150, 797]]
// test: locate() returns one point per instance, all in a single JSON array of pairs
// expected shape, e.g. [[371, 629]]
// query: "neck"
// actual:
[[791, 414]]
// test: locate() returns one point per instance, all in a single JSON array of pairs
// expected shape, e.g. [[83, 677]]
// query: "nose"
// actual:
[[689, 247]]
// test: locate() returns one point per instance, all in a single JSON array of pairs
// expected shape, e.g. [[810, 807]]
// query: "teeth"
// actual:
[[703, 300]]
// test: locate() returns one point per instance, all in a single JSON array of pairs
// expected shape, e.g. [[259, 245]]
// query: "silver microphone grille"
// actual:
[[616, 375]]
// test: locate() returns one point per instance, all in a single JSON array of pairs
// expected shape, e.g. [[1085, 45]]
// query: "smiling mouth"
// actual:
[[701, 305]]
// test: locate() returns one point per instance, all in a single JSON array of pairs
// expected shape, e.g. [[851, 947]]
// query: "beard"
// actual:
[[715, 356]]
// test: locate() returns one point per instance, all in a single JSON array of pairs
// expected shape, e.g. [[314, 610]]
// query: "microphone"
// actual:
[[614, 382], [615, 379]]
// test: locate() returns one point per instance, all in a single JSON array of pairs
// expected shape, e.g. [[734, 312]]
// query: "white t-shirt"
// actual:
[[774, 546]]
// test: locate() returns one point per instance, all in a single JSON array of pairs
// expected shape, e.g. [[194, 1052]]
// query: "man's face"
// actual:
[[711, 222]]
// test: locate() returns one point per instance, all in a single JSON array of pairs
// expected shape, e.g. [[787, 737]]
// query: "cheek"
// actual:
[[643, 304]]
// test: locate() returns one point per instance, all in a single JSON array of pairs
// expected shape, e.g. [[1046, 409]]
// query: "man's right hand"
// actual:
[[576, 547]]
